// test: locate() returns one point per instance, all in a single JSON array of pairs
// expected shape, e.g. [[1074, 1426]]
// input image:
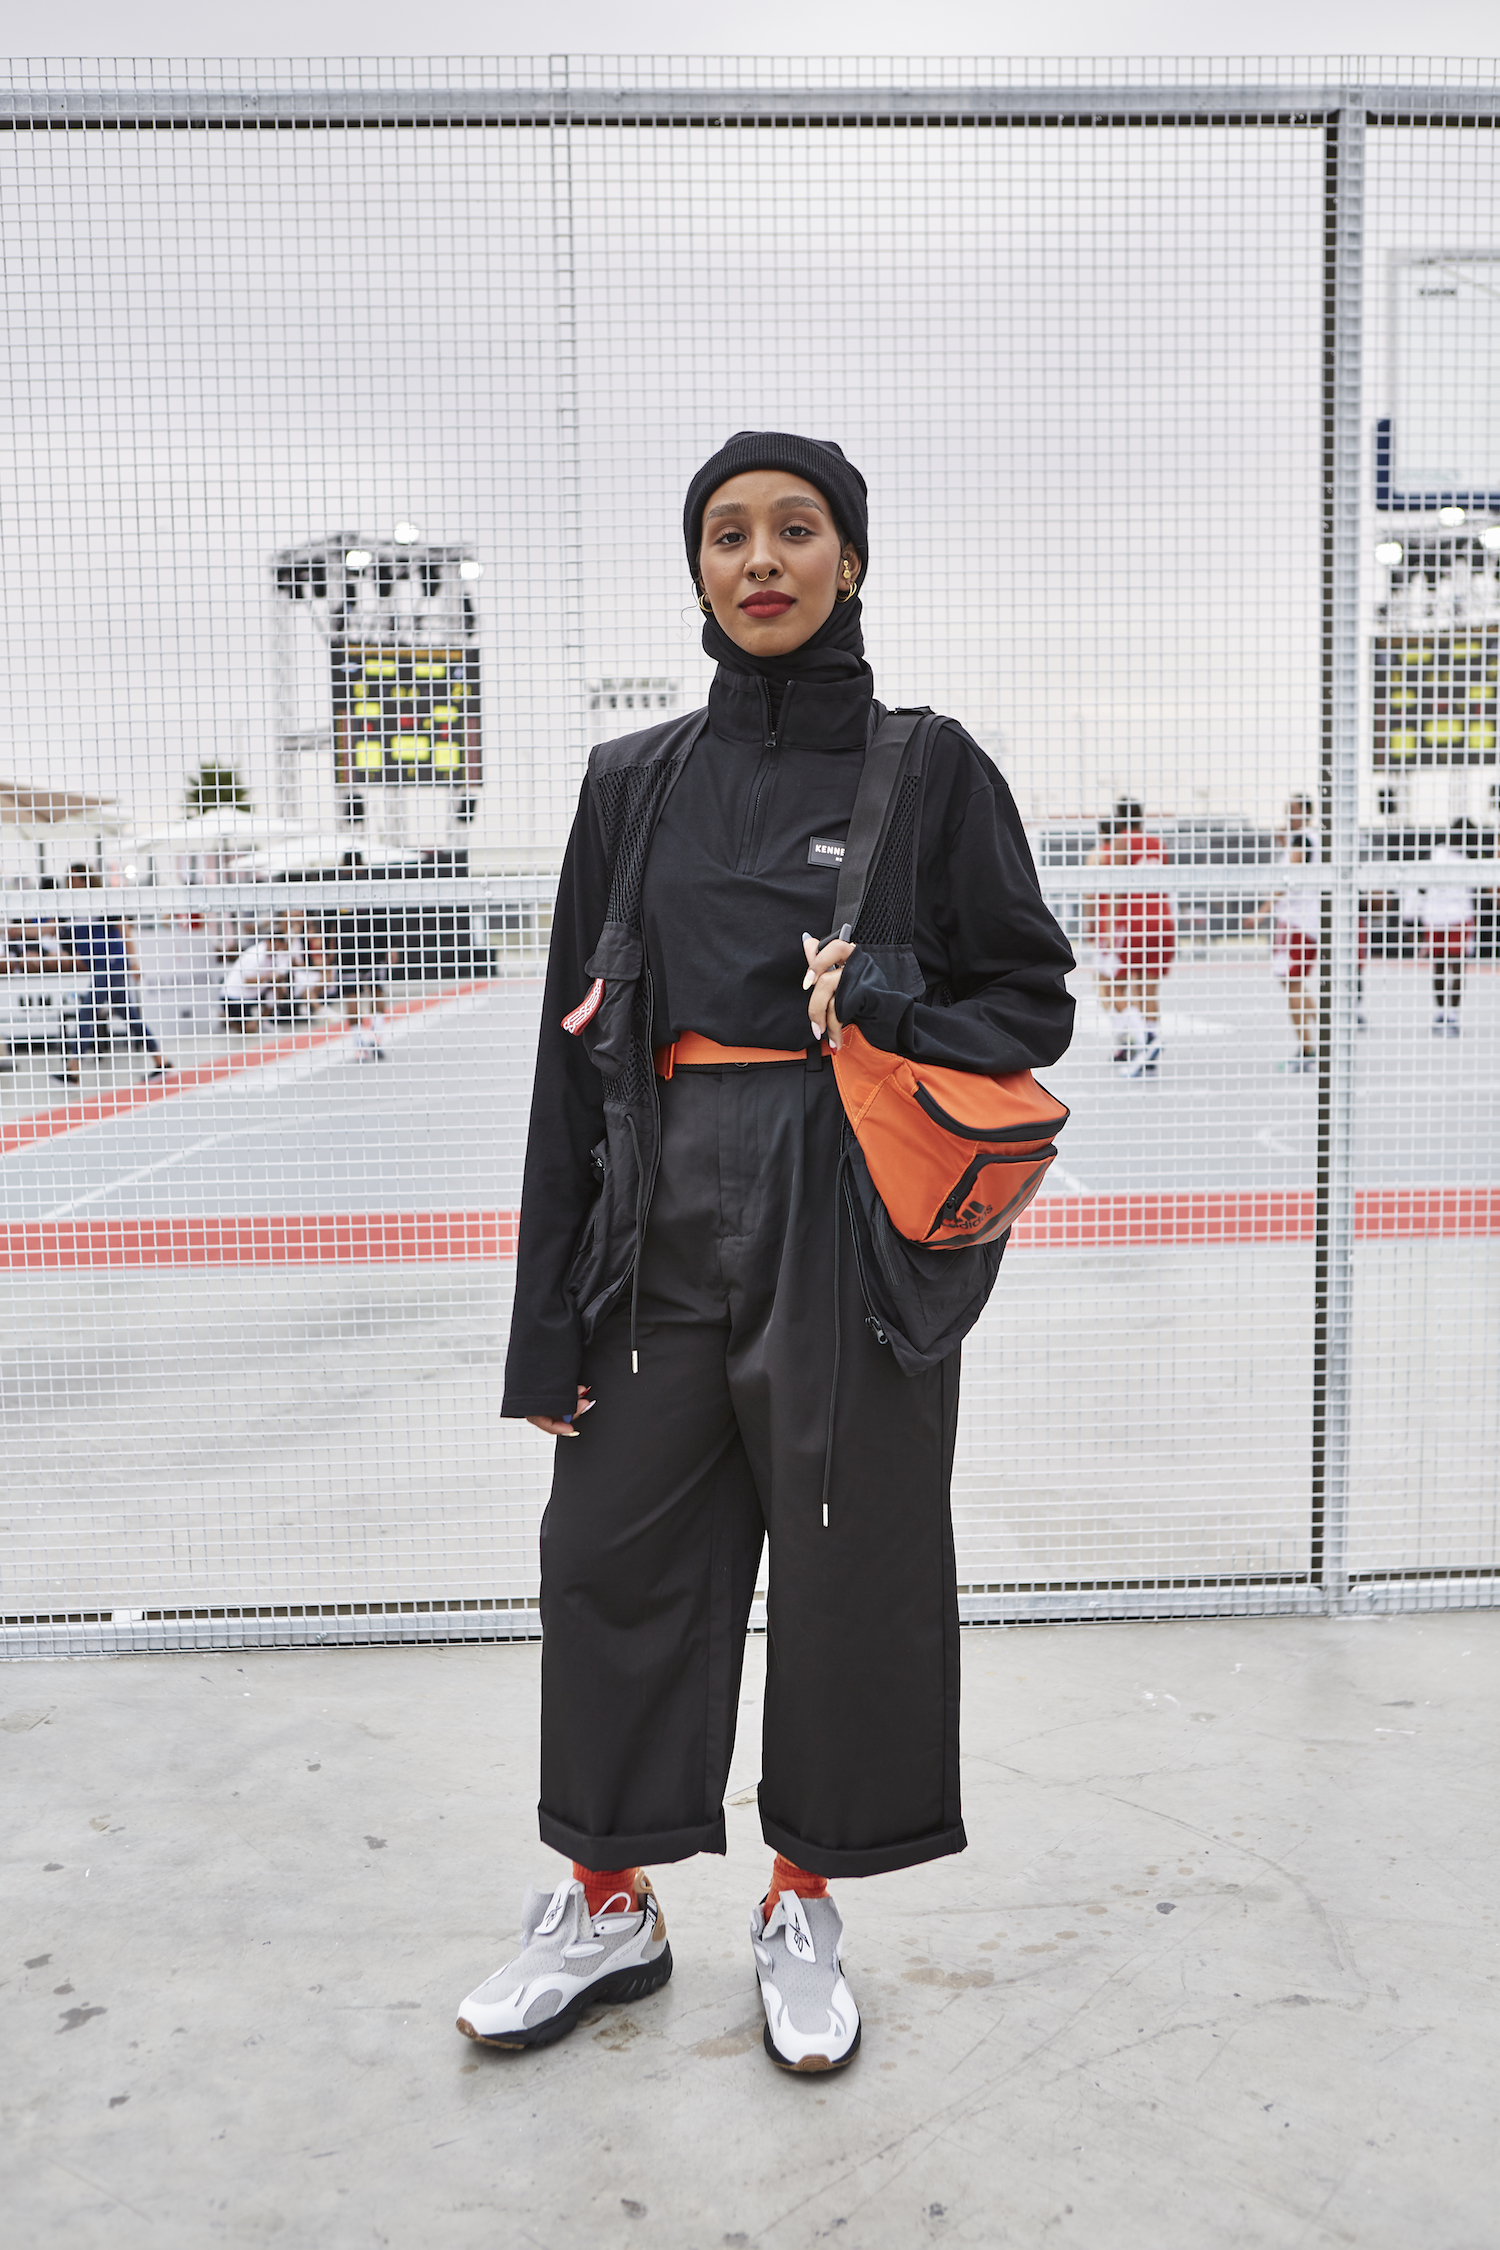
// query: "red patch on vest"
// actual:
[[587, 1008]]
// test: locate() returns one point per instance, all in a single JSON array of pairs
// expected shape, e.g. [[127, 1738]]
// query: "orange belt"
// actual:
[[691, 1050]]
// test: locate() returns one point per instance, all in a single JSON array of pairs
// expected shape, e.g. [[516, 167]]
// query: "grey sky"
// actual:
[[828, 27]]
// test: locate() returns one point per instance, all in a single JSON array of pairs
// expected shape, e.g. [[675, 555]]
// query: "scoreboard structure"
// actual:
[[395, 638], [405, 714], [1434, 697], [1435, 666]]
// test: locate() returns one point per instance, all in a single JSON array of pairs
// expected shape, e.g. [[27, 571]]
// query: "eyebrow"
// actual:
[[738, 507]]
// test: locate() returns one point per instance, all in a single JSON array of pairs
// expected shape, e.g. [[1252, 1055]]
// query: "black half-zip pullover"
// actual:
[[735, 876], [731, 883]]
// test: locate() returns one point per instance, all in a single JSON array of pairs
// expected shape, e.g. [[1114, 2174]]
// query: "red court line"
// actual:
[[1059, 1222], [1085, 1222], [47, 1124], [402, 1238]]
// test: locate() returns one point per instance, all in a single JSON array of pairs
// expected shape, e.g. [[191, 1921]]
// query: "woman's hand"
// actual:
[[825, 965], [563, 1425]]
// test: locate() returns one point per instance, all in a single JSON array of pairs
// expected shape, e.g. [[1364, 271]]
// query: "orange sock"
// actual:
[[601, 1884], [787, 1876]]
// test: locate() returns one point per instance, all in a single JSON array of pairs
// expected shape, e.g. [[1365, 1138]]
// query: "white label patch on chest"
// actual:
[[825, 851]]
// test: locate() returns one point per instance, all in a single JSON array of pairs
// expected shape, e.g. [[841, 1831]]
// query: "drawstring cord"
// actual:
[[838, 1329], [640, 1224]]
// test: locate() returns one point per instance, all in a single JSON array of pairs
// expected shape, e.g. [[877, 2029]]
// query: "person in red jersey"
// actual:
[[1135, 939]]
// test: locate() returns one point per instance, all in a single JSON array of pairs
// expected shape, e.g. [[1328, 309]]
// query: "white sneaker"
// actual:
[[1143, 1063], [811, 2020], [569, 1962]]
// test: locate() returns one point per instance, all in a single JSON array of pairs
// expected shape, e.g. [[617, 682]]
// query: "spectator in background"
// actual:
[[19, 953], [304, 946], [363, 957], [258, 985], [102, 947], [1134, 934], [1445, 912]]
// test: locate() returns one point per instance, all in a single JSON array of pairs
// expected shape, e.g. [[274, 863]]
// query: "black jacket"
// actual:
[[691, 872]]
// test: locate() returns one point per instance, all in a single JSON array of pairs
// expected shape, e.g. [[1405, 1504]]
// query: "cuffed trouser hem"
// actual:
[[656, 1848], [880, 1859]]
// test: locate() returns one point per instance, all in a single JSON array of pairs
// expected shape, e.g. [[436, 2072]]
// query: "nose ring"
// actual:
[[760, 576]]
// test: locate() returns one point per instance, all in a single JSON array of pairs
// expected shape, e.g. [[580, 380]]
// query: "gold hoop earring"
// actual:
[[705, 605], [851, 580]]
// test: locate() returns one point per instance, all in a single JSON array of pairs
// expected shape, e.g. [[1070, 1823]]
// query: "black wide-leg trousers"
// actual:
[[653, 1534]]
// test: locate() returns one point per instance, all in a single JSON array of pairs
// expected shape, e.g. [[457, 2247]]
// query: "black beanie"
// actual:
[[818, 459]]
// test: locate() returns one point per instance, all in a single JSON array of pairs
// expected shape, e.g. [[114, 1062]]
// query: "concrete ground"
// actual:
[[1217, 1969]]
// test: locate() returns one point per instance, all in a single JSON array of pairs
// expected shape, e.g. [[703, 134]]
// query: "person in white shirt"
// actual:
[[1295, 918], [305, 953], [1444, 909], [257, 984]]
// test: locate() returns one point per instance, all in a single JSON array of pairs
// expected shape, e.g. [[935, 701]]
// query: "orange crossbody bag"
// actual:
[[954, 1155]]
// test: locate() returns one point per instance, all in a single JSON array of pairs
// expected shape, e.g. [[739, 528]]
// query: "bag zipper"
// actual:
[[871, 1321], [1037, 1130], [644, 1192]]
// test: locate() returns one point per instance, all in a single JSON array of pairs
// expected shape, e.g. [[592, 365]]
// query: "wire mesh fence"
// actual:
[[349, 412]]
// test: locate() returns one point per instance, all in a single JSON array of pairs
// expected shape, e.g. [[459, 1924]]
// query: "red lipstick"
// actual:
[[766, 605]]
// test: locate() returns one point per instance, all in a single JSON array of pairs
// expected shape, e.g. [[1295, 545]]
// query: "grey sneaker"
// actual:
[[811, 2020], [567, 1963]]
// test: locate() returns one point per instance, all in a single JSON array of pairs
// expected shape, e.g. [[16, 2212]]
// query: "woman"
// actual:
[[688, 1309]]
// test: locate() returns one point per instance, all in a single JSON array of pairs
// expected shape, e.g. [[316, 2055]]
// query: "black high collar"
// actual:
[[815, 714]]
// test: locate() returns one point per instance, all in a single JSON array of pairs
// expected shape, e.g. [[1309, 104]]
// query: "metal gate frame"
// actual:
[[1344, 113]]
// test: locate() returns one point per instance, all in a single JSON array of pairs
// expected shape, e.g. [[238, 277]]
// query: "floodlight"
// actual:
[[1490, 538], [130, 872], [358, 558], [471, 570], [1450, 515], [1389, 551], [406, 533]]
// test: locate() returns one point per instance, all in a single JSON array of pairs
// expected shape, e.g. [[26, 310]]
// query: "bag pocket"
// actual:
[[989, 1196], [587, 1251], [602, 1017], [921, 1302]]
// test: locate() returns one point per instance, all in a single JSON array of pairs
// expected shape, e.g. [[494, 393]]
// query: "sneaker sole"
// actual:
[[813, 2062], [622, 1984]]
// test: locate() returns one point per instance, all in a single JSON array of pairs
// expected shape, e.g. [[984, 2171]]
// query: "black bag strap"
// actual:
[[885, 760]]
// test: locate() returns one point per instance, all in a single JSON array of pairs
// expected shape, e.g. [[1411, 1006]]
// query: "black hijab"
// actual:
[[836, 651]]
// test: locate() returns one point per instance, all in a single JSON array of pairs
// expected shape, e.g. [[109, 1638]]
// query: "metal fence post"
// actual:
[[1344, 219], [569, 435]]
